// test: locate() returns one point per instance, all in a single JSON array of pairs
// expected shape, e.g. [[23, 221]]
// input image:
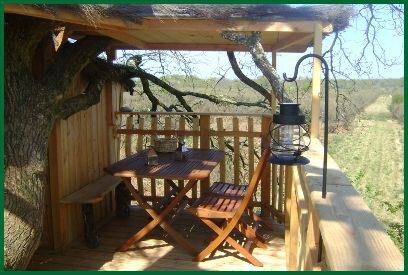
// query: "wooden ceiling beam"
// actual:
[[113, 23], [124, 37], [292, 40], [199, 47]]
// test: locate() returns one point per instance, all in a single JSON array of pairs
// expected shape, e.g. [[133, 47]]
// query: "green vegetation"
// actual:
[[397, 106], [371, 155]]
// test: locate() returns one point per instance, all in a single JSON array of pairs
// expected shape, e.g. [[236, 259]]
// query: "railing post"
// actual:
[[221, 146], [237, 151], [317, 49], [128, 138], [266, 176], [288, 206], [204, 144]]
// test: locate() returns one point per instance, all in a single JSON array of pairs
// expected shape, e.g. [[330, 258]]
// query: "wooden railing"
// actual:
[[349, 235], [241, 136], [352, 238]]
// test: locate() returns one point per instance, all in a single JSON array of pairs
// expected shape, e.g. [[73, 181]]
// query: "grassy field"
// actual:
[[371, 154]]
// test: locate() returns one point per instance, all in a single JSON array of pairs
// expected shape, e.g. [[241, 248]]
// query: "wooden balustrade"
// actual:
[[351, 236], [241, 136]]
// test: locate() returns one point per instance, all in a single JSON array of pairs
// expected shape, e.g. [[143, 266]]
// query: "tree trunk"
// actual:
[[33, 102], [27, 127]]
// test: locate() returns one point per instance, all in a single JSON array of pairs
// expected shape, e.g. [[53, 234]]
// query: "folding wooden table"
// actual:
[[197, 165]]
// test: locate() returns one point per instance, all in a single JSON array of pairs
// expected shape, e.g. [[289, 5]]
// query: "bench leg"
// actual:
[[91, 235], [122, 197]]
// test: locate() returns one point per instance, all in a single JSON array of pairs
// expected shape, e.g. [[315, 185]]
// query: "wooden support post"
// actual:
[[274, 182], [317, 49]]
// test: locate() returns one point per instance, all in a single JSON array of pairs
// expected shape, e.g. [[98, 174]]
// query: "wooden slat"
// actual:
[[196, 127], [288, 207], [304, 251], [274, 183], [193, 133], [266, 177], [204, 144], [194, 114], [221, 145], [139, 147], [128, 138], [153, 126], [251, 155], [182, 127], [55, 162], [281, 188], [167, 126], [237, 151], [293, 241]]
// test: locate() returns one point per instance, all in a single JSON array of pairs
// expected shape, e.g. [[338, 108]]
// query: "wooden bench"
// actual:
[[94, 192]]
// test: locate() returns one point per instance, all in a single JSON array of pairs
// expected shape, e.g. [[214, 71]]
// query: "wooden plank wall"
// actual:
[[79, 149]]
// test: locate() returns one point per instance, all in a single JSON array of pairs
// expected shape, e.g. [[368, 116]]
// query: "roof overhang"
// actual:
[[153, 33]]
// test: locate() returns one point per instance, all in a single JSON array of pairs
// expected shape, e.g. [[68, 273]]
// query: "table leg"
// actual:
[[158, 219], [123, 198], [173, 185]]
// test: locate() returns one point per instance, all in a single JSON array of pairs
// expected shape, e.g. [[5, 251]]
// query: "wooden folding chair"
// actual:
[[229, 202]]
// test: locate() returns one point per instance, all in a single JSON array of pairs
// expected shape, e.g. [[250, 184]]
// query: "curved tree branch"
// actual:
[[245, 79], [253, 43], [123, 74]]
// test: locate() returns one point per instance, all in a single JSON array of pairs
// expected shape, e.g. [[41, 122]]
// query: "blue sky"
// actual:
[[393, 43], [207, 64]]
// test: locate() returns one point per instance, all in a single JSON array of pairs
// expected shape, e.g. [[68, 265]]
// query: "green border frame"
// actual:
[[151, 2]]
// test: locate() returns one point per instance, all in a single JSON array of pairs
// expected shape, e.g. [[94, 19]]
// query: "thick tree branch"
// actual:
[[245, 79], [71, 59], [81, 102], [123, 74]]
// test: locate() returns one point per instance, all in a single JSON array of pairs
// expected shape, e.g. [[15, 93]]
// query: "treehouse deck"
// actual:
[[157, 251]]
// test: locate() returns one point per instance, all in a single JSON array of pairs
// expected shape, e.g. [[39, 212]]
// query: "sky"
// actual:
[[208, 64]]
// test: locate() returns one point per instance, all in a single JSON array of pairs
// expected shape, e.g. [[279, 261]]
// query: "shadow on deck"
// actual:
[[157, 251]]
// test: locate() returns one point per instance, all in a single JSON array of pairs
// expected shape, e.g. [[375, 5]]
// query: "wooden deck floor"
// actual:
[[158, 251]]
